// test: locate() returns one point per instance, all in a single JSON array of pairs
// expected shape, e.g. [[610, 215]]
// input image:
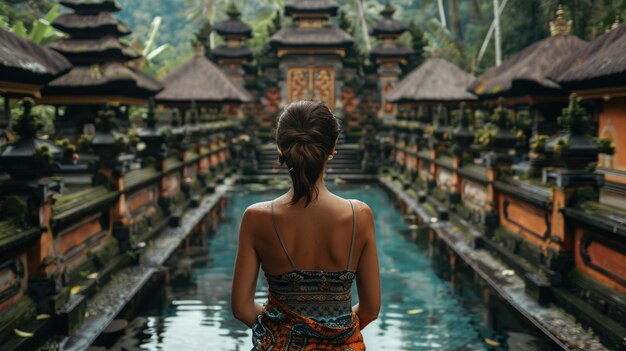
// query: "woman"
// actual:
[[311, 245]]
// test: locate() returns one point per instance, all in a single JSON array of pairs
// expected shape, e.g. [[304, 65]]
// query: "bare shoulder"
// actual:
[[258, 209], [361, 207], [255, 212]]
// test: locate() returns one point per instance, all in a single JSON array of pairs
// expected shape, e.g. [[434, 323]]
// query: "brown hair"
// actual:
[[306, 133]]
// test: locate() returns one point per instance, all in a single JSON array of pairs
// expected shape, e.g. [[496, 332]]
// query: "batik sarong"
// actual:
[[280, 329]]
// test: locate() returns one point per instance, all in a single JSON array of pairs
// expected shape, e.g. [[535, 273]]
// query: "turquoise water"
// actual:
[[419, 310]]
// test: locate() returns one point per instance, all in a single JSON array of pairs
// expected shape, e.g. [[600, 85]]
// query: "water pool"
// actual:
[[419, 310]]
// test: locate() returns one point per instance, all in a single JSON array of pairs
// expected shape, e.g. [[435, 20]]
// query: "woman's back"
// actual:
[[319, 289], [318, 237], [311, 244]]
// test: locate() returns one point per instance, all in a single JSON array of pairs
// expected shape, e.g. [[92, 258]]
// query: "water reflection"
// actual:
[[419, 312]]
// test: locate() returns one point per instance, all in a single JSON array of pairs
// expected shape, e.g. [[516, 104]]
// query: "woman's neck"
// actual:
[[319, 184]]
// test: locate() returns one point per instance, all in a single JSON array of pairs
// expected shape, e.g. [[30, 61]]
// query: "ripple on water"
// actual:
[[419, 310]]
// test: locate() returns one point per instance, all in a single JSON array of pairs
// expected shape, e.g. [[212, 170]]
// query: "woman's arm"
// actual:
[[367, 275], [246, 272]]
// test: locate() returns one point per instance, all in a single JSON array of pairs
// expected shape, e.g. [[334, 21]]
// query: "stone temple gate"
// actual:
[[311, 52]]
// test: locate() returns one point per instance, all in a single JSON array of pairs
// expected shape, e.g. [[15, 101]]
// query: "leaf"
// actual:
[[19, 29], [23, 334], [40, 27], [75, 289], [92, 276], [43, 316], [159, 51], [415, 311], [492, 342], [52, 14], [508, 272], [154, 32]]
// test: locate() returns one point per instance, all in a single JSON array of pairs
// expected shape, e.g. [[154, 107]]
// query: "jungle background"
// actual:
[[167, 30]]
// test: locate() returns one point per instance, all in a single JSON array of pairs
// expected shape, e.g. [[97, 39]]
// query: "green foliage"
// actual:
[[13, 12], [43, 156], [67, 147], [606, 146], [41, 30], [574, 118], [27, 125], [15, 208], [582, 195], [203, 37], [538, 143], [84, 143]]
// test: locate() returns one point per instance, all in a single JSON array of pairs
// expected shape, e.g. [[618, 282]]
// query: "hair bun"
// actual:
[[306, 134]]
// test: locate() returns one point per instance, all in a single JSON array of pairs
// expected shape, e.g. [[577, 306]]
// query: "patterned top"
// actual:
[[319, 295]]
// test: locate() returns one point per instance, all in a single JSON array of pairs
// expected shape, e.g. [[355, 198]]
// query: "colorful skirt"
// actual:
[[280, 329]]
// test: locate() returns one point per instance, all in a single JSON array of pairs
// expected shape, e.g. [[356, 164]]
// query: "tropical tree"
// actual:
[[362, 15], [151, 60]]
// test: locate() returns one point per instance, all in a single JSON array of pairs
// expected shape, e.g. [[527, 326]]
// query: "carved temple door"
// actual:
[[311, 83]]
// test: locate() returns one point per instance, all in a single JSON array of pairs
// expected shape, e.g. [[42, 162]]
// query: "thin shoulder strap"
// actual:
[[353, 235], [280, 237]]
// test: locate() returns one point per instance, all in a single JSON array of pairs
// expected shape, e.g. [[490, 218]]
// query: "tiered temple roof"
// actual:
[[527, 72], [25, 66], [387, 31], [100, 74], [310, 29], [234, 32], [388, 25], [436, 80], [201, 82], [92, 5], [315, 7]]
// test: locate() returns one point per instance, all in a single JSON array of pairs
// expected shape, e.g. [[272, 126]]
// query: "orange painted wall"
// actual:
[[613, 126], [604, 256], [523, 218]]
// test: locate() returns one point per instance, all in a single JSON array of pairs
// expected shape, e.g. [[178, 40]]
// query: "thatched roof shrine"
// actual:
[[601, 64], [435, 81], [98, 84], [26, 66], [200, 81], [527, 72]]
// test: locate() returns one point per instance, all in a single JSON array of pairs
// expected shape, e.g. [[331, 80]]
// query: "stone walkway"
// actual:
[[103, 307], [558, 325]]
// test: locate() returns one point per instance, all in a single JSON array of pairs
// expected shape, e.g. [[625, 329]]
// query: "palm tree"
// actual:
[[203, 11], [362, 14]]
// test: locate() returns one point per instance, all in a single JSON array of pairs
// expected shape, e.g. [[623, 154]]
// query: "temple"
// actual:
[[508, 184]]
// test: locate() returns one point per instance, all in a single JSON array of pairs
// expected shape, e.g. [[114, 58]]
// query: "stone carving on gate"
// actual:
[[388, 107], [298, 85], [325, 87], [311, 83]]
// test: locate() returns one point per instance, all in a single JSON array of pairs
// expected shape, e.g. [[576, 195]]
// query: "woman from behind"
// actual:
[[311, 245]]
